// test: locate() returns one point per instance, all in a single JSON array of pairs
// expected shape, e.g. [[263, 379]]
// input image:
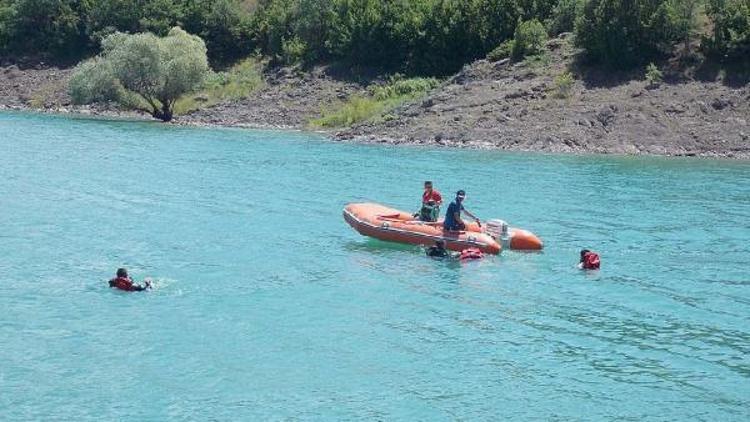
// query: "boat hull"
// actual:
[[380, 222]]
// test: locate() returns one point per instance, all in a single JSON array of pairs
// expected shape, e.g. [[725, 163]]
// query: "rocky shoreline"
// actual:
[[487, 105]]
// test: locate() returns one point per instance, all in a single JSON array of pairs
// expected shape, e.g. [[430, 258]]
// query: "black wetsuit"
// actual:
[[437, 252]]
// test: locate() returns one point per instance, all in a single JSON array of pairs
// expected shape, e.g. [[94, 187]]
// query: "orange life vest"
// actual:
[[122, 283]]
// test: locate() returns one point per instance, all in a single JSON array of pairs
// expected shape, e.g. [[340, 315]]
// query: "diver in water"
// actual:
[[589, 260], [124, 282], [438, 250]]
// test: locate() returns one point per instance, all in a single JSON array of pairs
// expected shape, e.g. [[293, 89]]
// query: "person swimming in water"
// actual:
[[589, 260], [438, 250], [124, 282]]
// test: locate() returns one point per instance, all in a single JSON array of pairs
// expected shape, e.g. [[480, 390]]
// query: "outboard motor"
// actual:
[[498, 229]]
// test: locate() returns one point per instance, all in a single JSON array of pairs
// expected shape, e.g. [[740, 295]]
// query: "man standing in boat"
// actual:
[[431, 202], [453, 221]]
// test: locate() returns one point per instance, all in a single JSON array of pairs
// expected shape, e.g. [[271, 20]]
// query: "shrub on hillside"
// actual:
[[293, 51], [226, 28], [397, 86], [624, 33], [529, 39], [500, 52], [730, 37], [654, 77], [564, 85], [42, 26], [563, 16]]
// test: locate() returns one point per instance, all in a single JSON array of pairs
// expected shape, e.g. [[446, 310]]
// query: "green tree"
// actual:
[[44, 26], [158, 70], [7, 13], [529, 39], [731, 28], [225, 25], [684, 15], [624, 33], [563, 17]]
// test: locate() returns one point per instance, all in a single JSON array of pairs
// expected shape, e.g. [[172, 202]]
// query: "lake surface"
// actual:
[[268, 306]]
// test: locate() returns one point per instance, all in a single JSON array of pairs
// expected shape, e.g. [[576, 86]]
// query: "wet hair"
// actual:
[[122, 272], [461, 193], [427, 183], [583, 253]]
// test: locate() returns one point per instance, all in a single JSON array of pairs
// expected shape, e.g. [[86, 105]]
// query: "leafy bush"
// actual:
[[398, 87], [432, 37], [293, 50], [563, 16], [730, 37], [158, 70], [500, 52], [93, 81], [564, 85], [654, 77], [624, 33], [42, 26], [356, 109], [529, 39]]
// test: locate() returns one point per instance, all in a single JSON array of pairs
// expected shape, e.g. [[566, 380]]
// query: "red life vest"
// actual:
[[122, 283], [591, 261], [471, 253], [432, 195]]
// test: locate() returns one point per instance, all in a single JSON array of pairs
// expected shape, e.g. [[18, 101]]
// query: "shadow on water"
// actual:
[[375, 245]]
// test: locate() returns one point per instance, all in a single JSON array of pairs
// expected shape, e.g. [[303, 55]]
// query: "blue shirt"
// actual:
[[450, 222]]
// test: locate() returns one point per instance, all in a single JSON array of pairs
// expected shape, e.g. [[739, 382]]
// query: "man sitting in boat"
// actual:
[[453, 221], [431, 202]]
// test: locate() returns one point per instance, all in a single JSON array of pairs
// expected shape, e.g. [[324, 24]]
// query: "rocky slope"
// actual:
[[288, 99], [515, 107]]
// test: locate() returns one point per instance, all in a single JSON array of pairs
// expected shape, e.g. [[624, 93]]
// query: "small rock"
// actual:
[[720, 103], [501, 63], [675, 108], [606, 116]]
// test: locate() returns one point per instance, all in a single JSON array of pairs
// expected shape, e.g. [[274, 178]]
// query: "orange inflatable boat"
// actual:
[[392, 225]]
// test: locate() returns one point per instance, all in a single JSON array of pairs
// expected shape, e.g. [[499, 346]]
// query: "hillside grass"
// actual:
[[237, 82], [374, 106]]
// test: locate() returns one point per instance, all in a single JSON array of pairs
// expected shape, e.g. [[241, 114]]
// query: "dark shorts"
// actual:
[[456, 227]]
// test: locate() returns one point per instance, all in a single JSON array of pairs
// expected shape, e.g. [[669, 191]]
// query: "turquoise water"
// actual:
[[268, 306]]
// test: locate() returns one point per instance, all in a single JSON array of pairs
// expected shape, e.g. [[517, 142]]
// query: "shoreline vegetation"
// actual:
[[671, 78]]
